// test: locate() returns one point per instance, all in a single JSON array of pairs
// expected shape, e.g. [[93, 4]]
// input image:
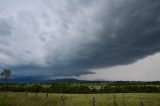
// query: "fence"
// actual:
[[94, 100]]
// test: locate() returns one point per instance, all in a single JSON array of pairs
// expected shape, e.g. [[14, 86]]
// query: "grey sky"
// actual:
[[52, 38]]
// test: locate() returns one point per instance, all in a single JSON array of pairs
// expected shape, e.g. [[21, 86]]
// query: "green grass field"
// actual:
[[128, 99]]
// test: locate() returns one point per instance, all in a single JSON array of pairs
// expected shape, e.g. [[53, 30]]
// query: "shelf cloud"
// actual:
[[52, 38]]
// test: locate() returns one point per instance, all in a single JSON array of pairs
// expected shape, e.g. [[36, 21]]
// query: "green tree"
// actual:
[[5, 74]]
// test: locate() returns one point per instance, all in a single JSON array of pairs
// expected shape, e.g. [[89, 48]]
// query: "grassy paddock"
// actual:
[[120, 99]]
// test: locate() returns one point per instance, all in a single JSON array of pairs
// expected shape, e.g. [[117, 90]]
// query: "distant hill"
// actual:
[[41, 80], [72, 81], [23, 80]]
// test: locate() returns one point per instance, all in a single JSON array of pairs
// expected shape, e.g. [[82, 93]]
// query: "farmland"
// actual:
[[116, 99], [80, 94]]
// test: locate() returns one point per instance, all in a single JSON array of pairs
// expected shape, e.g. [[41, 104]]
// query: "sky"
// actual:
[[83, 39]]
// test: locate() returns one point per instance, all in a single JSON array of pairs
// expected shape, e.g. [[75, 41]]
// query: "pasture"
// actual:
[[113, 99]]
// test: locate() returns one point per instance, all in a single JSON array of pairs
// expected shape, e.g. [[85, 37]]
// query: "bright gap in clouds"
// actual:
[[147, 69]]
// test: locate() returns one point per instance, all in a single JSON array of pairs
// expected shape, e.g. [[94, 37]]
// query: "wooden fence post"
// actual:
[[25, 90], [47, 93], [26, 93], [141, 103], [62, 101], [94, 101], [124, 102], [114, 101], [36, 93]]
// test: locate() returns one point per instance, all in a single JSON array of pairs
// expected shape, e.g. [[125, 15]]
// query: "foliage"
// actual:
[[73, 88], [6, 73]]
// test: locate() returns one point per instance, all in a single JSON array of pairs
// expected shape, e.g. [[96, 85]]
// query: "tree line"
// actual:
[[78, 88]]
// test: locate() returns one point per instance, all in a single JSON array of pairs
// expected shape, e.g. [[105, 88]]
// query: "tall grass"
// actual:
[[31, 99]]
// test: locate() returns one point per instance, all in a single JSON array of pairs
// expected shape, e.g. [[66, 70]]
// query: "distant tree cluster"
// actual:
[[80, 89], [132, 89], [55, 88]]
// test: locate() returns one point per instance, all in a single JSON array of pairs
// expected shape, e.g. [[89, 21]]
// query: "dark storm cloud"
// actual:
[[134, 28], [58, 38], [129, 33]]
